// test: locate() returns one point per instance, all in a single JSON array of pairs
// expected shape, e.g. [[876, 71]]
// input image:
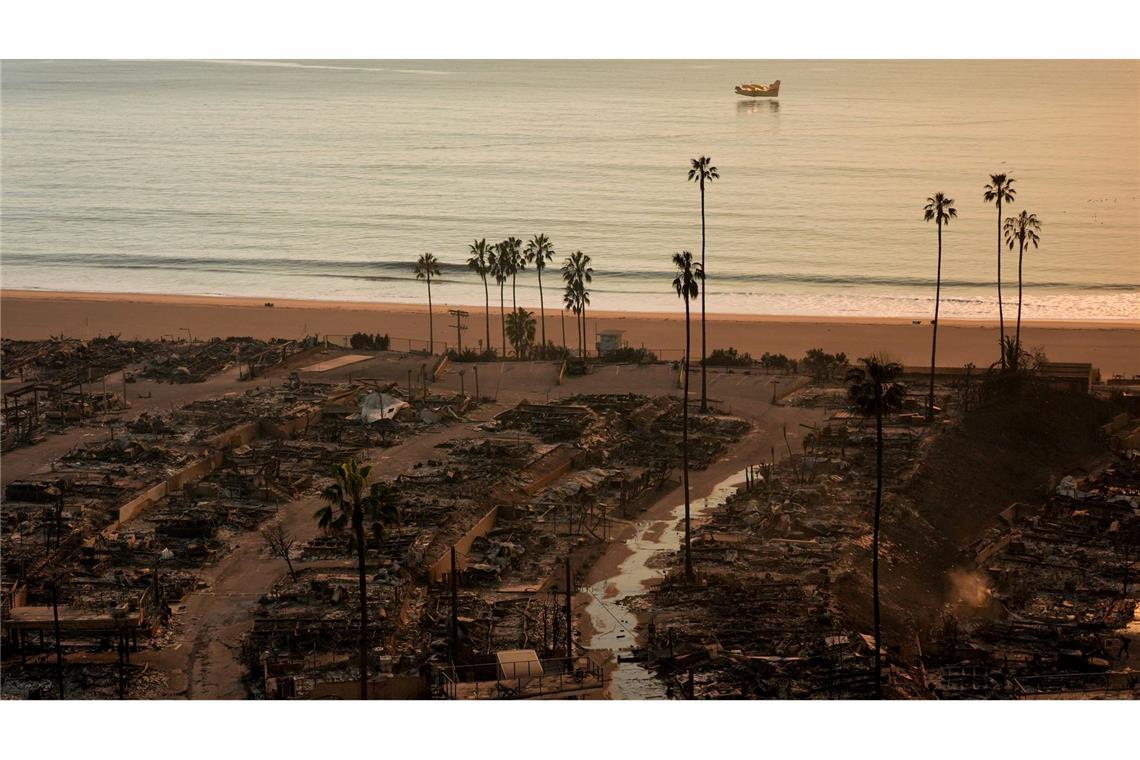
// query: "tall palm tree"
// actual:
[[496, 263], [689, 274], [577, 273], [539, 251], [874, 392], [940, 210], [562, 319], [570, 300], [1000, 190], [510, 253], [427, 266], [583, 302], [1022, 230], [479, 263], [350, 500], [701, 171]]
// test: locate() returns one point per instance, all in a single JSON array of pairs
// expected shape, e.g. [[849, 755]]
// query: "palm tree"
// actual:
[[570, 299], [940, 210], [1000, 190], [510, 253], [1021, 229], [686, 285], [577, 273], [873, 391], [495, 262], [427, 266], [583, 301], [703, 171], [349, 500], [480, 264], [520, 329], [539, 251]]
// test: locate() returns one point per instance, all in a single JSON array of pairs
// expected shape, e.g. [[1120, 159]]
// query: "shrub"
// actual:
[[369, 342], [778, 362], [552, 351], [728, 357], [520, 331], [471, 355], [629, 355]]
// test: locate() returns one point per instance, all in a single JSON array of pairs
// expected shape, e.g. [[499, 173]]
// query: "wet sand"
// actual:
[[1114, 347]]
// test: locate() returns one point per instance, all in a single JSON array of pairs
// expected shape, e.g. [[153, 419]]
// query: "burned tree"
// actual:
[[280, 542]]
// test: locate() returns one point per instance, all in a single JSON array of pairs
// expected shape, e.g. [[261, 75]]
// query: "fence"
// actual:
[[419, 345], [395, 343]]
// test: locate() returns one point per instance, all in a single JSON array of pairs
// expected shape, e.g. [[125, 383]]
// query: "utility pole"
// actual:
[[459, 315], [454, 608], [58, 644], [569, 619], [122, 652], [462, 391], [476, 368]]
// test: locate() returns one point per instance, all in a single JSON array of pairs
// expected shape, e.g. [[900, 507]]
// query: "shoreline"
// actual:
[[1111, 346], [413, 308]]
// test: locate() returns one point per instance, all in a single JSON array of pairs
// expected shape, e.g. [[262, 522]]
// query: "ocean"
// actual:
[[327, 179]]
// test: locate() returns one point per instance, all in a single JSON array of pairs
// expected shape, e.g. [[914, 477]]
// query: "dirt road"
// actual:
[[204, 660]]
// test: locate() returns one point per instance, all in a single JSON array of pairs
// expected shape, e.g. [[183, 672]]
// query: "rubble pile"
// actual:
[[195, 362], [627, 429], [770, 614], [122, 528], [65, 380], [1057, 594], [515, 504], [69, 361], [766, 619]]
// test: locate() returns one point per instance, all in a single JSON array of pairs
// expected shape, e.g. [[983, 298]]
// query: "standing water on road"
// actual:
[[616, 627]]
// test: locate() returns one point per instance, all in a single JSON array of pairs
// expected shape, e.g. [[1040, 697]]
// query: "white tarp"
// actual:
[[379, 406]]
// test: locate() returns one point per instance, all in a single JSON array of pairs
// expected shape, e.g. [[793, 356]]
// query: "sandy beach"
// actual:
[[1114, 347]]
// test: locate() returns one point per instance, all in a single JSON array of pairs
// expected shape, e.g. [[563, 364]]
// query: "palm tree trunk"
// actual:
[[934, 340], [704, 337], [875, 546], [684, 449], [542, 311], [577, 323], [431, 327], [565, 348], [1020, 257], [487, 308], [58, 642], [585, 336], [358, 529], [1001, 309], [503, 316], [685, 446]]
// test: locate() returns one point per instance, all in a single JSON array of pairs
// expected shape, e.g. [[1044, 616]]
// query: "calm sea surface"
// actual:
[[326, 180]]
